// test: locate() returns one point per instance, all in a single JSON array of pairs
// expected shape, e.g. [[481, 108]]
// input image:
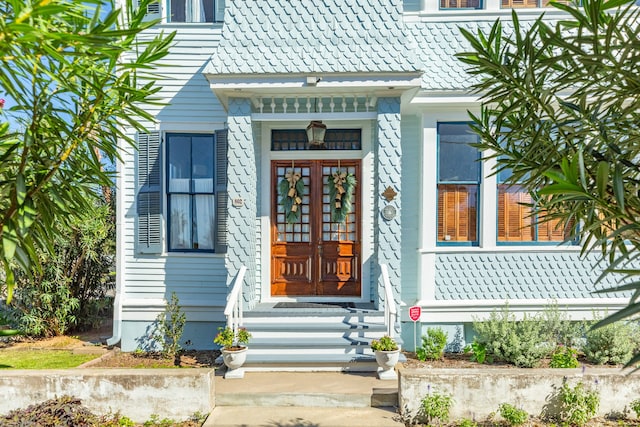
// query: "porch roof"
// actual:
[[309, 36]]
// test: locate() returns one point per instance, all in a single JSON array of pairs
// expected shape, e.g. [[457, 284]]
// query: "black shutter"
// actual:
[[222, 230], [149, 196]]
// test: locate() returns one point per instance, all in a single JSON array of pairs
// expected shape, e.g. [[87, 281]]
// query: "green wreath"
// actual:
[[291, 189], [341, 186]]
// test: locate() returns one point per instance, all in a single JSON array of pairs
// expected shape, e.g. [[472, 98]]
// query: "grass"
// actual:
[[42, 359]]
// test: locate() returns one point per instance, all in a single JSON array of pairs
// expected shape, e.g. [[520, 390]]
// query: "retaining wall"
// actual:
[[479, 392], [136, 393]]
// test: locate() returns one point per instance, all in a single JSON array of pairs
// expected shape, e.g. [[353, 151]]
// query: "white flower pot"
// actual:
[[387, 361], [234, 359]]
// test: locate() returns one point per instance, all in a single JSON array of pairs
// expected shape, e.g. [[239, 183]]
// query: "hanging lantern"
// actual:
[[315, 134]]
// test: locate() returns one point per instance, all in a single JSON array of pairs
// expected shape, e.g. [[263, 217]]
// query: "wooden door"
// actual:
[[315, 256]]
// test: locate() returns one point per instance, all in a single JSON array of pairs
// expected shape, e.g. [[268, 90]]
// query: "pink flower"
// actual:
[[1, 102]]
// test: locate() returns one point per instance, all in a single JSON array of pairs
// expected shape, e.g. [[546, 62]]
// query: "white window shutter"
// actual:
[[149, 194], [221, 191]]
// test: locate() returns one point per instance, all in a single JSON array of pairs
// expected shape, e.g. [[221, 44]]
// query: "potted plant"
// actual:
[[234, 349], [387, 353]]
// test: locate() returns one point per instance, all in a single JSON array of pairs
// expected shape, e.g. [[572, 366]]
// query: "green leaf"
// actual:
[[602, 178], [618, 186], [9, 241]]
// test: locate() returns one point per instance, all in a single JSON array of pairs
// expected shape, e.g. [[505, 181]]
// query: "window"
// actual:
[[522, 4], [515, 222], [190, 192], [411, 6], [195, 10], [458, 184], [461, 4]]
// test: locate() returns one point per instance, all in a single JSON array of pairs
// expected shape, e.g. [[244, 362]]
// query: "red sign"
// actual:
[[415, 312]]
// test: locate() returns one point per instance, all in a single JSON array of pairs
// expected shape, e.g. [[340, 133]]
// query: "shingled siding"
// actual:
[[198, 279], [518, 275], [329, 36]]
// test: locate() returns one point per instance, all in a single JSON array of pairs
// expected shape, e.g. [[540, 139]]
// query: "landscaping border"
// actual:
[[136, 393], [479, 392]]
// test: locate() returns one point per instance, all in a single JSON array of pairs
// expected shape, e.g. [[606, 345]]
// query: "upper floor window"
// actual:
[[518, 4], [458, 184], [195, 10], [411, 5], [190, 192], [461, 4], [515, 220]]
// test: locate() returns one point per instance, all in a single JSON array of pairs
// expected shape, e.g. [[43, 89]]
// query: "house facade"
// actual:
[[231, 175]]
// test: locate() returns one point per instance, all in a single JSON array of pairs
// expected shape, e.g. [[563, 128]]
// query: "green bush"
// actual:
[[436, 407], [433, 344], [512, 415], [69, 292], [169, 329], [578, 404], [635, 406], [564, 357], [562, 330], [523, 343], [614, 343]]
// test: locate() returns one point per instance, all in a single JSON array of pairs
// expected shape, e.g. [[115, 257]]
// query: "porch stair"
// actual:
[[312, 337]]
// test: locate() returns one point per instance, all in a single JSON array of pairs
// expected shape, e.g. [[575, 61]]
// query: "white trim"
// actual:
[[120, 256], [541, 248], [264, 213], [446, 311], [288, 117]]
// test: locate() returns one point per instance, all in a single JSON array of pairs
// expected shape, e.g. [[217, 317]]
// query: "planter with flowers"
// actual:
[[387, 354], [234, 350]]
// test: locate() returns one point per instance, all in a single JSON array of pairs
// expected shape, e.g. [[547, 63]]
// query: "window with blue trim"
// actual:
[[459, 172], [195, 10], [515, 220], [191, 192]]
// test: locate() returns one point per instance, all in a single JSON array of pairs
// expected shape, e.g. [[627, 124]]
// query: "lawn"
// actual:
[[42, 359]]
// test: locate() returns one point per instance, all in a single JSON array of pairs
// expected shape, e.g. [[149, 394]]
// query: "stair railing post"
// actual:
[[234, 308], [390, 309]]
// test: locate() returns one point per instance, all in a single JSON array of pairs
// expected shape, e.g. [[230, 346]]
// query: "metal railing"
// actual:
[[233, 310], [390, 308]]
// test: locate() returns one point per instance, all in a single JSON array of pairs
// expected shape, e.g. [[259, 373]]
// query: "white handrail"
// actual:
[[234, 309], [390, 309]]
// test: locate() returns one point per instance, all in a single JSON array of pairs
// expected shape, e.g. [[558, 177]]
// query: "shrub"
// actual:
[[478, 352], [523, 343], [436, 406], [562, 330], [433, 344], [70, 289], [578, 404], [65, 411], [612, 344], [466, 422], [635, 406], [169, 328], [227, 339], [564, 357], [512, 415]]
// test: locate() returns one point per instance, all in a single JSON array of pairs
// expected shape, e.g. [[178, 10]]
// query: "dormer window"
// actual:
[[195, 10]]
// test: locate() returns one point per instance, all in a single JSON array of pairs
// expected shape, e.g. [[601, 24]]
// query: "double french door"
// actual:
[[311, 254]]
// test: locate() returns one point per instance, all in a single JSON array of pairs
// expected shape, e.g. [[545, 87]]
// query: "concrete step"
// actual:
[[310, 342], [310, 325], [303, 417], [305, 389]]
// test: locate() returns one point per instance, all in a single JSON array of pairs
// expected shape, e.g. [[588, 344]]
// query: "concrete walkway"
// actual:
[[307, 399]]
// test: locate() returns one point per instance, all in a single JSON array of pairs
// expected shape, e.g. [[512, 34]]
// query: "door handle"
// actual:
[[320, 250]]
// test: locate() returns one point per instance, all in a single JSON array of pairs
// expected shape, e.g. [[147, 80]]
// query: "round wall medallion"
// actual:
[[388, 212]]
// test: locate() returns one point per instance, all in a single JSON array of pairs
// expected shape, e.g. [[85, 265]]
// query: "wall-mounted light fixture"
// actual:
[[315, 134]]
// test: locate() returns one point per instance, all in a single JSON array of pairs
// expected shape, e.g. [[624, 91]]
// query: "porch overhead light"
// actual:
[[315, 134]]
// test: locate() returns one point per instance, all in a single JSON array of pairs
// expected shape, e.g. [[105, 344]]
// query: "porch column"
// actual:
[[242, 185], [388, 237]]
